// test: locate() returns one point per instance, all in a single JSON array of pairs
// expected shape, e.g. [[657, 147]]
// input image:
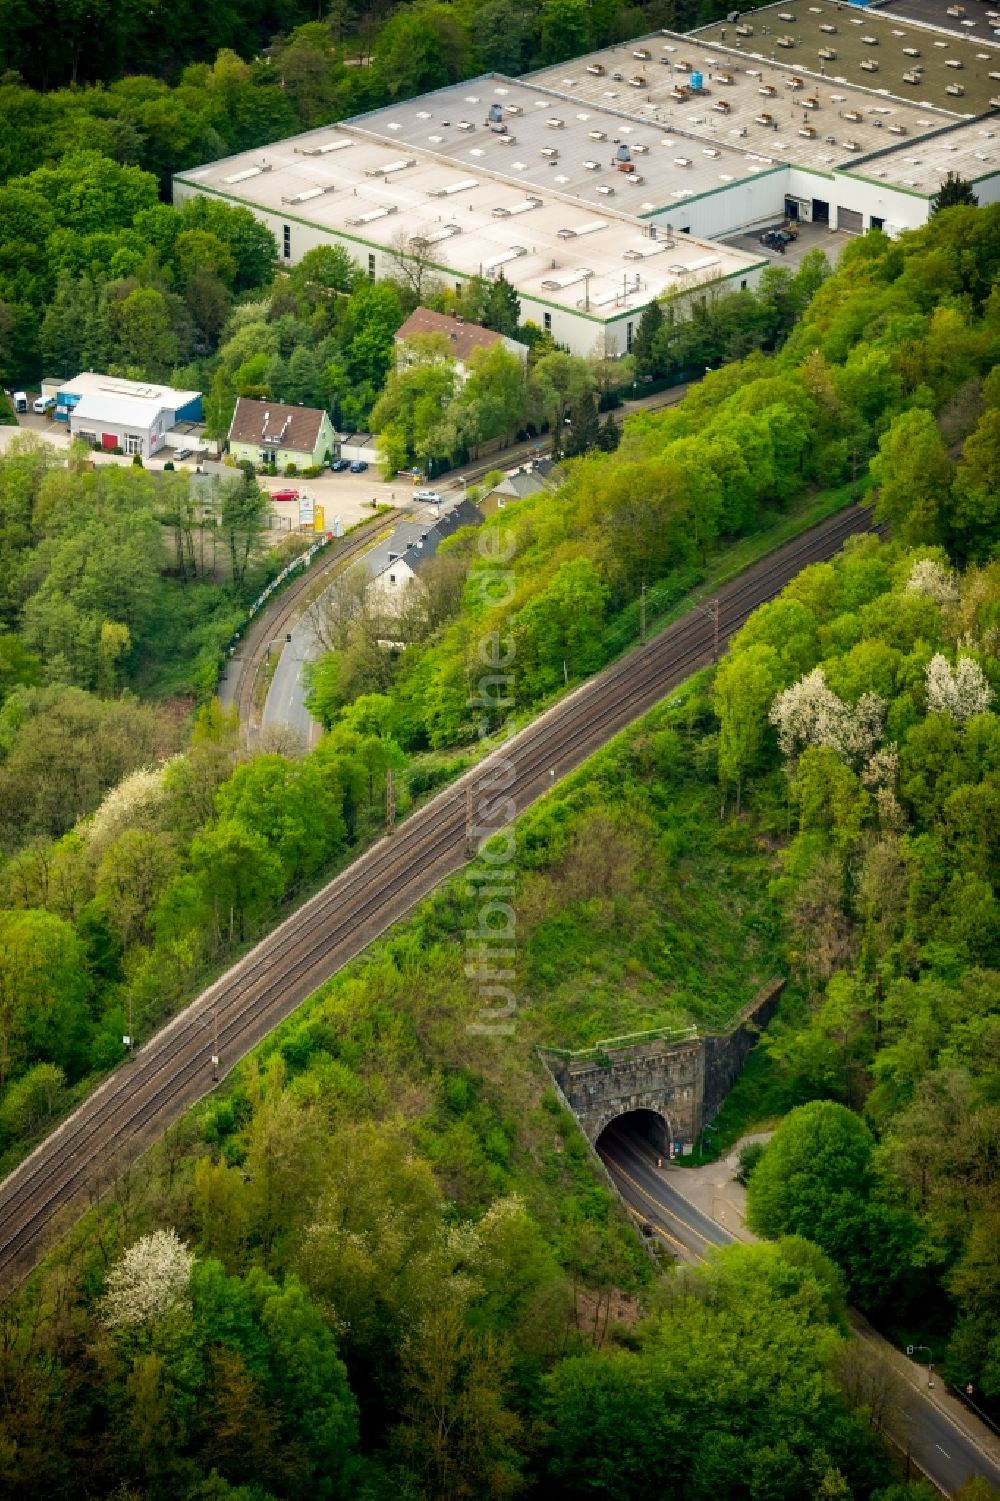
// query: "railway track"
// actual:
[[136, 1103]]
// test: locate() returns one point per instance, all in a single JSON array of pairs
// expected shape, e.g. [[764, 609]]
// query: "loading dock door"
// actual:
[[821, 211], [851, 220]]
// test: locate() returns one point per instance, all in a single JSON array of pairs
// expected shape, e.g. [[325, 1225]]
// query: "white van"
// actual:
[[20, 399], [43, 404]]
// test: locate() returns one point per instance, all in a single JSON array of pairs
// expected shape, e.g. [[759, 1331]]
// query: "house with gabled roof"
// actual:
[[463, 338], [267, 432]]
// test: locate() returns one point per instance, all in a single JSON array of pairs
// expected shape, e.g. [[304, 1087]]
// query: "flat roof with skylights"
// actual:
[[543, 139], [466, 221], [767, 108], [878, 49], [971, 150]]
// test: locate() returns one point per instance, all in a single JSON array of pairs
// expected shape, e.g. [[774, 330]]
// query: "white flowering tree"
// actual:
[[810, 713], [958, 691], [134, 801], [151, 1279], [934, 582]]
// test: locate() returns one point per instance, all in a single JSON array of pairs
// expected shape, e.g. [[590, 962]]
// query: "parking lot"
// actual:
[[344, 497], [811, 237]]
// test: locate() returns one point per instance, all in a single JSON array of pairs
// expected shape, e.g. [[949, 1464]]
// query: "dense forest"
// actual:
[[380, 1260], [101, 104]]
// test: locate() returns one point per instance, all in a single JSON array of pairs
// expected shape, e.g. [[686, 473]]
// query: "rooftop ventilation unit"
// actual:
[[520, 206], [325, 149], [560, 283], [464, 125], [642, 53], [869, 65], [247, 173], [597, 69], [644, 251], [703, 263], [389, 168], [554, 123], [435, 236], [451, 188], [307, 194], [550, 153], [591, 166], [372, 215], [491, 266], [590, 227], [786, 41], [911, 51]]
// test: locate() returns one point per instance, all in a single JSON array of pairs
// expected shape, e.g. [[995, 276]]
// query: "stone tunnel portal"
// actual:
[[648, 1125]]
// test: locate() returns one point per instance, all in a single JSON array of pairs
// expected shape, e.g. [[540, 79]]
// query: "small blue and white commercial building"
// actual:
[[136, 416]]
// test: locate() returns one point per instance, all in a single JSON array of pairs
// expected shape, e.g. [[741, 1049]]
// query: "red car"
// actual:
[[284, 494]]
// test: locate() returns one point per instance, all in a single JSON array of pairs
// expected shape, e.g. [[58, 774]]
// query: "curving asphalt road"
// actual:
[[942, 1440], [285, 703]]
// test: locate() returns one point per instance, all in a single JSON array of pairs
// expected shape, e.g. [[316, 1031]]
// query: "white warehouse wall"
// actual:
[[580, 332], [729, 210]]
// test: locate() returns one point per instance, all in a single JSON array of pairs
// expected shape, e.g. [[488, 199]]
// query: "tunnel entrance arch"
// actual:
[[651, 1126]]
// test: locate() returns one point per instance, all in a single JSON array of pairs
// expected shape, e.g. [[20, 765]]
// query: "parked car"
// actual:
[[338, 465], [183, 453], [359, 466], [42, 404], [430, 496], [284, 494]]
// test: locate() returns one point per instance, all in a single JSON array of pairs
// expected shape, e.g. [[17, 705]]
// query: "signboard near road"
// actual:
[[306, 512]]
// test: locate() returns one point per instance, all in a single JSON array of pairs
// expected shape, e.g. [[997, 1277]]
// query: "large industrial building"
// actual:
[[599, 184]]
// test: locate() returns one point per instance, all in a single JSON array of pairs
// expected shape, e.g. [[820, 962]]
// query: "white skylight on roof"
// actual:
[[394, 125], [472, 98], [423, 114]]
